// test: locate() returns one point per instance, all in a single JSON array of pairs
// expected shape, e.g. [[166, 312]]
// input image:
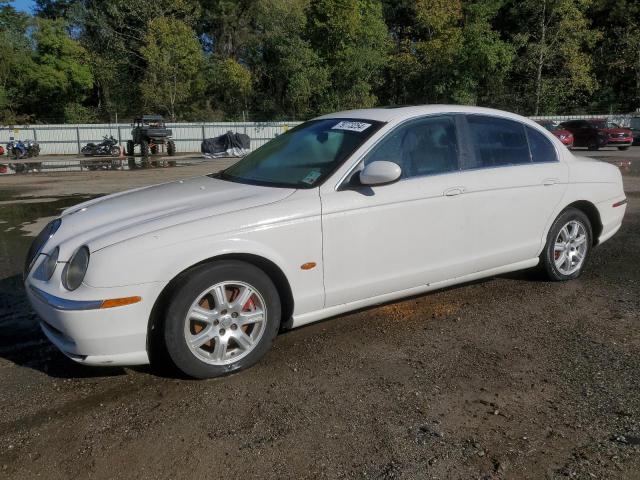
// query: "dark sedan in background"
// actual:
[[598, 133]]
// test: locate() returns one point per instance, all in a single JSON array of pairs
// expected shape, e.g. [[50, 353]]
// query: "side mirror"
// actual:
[[380, 173]]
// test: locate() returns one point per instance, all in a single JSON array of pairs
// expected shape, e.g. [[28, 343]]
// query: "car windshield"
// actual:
[[304, 156]]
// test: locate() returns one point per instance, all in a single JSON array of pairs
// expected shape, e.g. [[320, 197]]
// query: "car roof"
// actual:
[[391, 114]]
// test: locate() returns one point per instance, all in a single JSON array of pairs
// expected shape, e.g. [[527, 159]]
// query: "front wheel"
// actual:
[[221, 319], [568, 246]]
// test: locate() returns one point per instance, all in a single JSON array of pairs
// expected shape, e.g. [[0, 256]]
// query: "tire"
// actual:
[[144, 148], [568, 263], [623, 148], [171, 148], [130, 148], [209, 359]]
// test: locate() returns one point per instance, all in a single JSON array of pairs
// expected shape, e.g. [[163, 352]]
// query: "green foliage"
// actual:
[[174, 62], [86, 60], [352, 41]]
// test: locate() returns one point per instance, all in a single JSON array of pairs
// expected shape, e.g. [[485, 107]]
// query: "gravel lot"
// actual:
[[512, 377]]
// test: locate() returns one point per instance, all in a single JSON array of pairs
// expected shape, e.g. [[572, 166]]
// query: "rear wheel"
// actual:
[[171, 147], [623, 148], [222, 319], [144, 148], [568, 246], [130, 148]]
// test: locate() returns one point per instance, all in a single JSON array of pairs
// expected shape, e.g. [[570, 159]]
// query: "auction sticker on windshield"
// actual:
[[351, 126], [311, 177]]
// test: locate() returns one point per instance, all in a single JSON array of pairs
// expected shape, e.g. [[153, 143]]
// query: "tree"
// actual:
[[554, 38], [174, 62], [616, 55], [352, 41], [289, 74], [230, 86], [58, 73]]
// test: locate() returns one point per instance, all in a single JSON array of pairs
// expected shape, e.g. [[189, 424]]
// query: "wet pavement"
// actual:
[[511, 377]]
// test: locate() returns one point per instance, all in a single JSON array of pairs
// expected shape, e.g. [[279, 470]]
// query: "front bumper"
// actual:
[[619, 142], [94, 336]]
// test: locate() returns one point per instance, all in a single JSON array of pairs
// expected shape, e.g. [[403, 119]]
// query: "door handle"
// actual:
[[452, 192], [549, 181]]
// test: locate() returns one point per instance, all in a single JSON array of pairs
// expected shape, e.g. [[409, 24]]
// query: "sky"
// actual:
[[23, 5]]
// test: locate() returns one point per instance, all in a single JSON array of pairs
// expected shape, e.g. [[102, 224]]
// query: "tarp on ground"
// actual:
[[228, 145]]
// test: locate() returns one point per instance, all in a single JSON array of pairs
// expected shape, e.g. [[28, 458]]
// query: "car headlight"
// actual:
[[76, 268], [49, 265]]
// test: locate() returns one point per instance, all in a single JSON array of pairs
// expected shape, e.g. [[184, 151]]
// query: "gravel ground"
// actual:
[[512, 377]]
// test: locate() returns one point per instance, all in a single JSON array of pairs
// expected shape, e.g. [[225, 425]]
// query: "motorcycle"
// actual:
[[19, 149], [108, 146]]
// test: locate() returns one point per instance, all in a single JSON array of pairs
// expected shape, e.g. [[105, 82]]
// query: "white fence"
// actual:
[[621, 119], [69, 139]]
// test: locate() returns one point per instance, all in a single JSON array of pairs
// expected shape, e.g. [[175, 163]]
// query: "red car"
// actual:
[[598, 133], [1, 150], [565, 136]]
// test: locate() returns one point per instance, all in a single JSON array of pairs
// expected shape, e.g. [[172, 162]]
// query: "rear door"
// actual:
[[512, 181]]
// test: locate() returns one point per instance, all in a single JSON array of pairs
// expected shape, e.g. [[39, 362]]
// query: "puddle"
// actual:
[[20, 221], [20, 338]]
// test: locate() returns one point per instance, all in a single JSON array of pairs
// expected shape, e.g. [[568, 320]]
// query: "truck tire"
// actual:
[[130, 148], [171, 148], [144, 148]]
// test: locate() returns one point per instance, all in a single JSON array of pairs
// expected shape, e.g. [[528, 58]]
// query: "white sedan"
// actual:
[[347, 210]]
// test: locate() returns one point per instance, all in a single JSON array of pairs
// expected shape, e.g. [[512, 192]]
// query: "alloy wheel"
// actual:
[[570, 248], [225, 322]]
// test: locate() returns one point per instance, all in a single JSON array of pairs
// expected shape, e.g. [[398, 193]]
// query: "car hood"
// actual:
[[106, 220]]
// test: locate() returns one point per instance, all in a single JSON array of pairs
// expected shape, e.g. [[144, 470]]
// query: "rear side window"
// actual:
[[542, 150], [497, 142]]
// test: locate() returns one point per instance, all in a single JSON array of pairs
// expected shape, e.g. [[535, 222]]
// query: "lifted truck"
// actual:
[[150, 132]]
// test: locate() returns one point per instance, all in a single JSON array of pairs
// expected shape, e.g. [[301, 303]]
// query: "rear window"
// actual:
[[542, 150], [497, 142]]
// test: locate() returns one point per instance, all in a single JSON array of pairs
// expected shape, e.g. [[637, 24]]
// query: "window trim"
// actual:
[[342, 184]]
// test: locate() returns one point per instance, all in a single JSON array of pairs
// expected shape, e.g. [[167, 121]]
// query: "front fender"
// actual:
[[288, 243]]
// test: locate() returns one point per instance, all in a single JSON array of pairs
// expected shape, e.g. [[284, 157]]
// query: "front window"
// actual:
[[304, 156]]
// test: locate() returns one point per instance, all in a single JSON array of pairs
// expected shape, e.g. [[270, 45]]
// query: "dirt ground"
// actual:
[[511, 377]]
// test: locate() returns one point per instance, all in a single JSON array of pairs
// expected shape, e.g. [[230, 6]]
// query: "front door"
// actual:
[[384, 239]]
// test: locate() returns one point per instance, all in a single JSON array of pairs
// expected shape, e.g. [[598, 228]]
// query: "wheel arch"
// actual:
[[592, 213], [155, 345]]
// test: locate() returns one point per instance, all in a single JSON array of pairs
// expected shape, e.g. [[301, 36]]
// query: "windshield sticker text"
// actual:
[[351, 126], [311, 177]]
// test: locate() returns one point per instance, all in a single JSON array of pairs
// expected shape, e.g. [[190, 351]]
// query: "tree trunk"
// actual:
[[543, 34]]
